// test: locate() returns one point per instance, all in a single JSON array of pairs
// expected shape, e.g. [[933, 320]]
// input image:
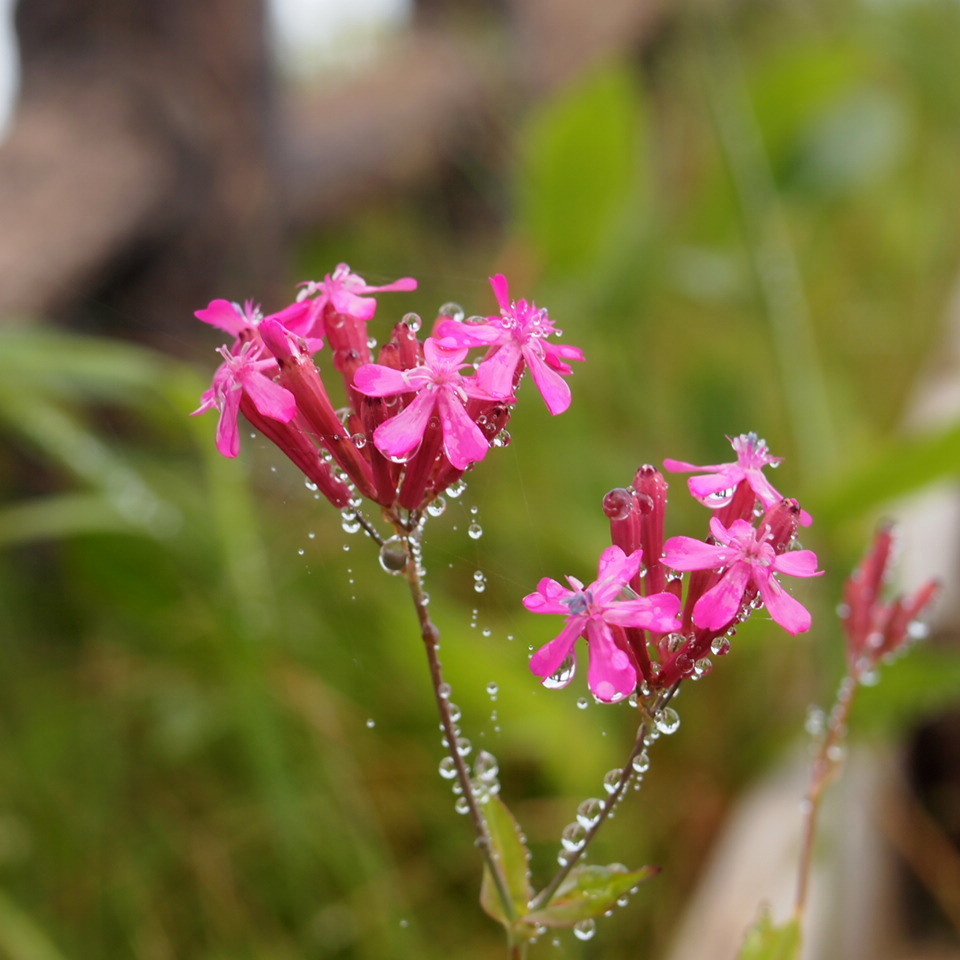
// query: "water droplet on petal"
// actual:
[[452, 310], [413, 321], [563, 676]]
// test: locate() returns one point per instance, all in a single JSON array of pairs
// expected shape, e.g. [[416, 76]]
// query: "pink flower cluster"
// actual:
[[647, 625], [418, 416]]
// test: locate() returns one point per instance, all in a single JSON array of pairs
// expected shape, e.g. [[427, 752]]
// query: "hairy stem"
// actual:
[[825, 766], [431, 642], [626, 775]]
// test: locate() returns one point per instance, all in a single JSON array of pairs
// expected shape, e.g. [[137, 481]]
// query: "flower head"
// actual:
[[242, 373], [717, 486], [440, 388], [520, 334], [596, 613], [243, 322], [874, 628], [746, 560], [344, 292]]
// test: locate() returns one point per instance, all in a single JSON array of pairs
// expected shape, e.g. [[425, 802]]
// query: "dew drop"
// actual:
[[462, 806], [456, 489], [474, 531], [720, 646], [583, 703], [563, 676], [641, 762], [437, 507], [492, 690], [393, 557], [371, 723], [301, 552], [588, 813], [413, 321], [485, 767], [573, 837], [444, 690], [310, 485], [611, 779], [479, 581], [464, 746], [351, 522], [668, 721], [585, 929], [453, 310], [448, 768]]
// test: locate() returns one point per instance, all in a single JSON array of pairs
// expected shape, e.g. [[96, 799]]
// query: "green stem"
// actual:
[[626, 775], [825, 766], [431, 642]]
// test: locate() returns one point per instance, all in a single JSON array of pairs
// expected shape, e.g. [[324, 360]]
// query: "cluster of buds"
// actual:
[[414, 420], [877, 629], [646, 627]]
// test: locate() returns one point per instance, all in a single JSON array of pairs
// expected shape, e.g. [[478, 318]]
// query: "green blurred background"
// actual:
[[217, 738]]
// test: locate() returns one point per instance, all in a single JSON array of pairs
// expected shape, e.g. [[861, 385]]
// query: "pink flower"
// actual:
[[243, 322], [440, 388], [594, 613], [717, 487], [345, 293], [520, 334], [244, 373], [745, 560]]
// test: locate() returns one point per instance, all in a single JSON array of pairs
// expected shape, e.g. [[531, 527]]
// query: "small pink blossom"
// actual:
[[745, 559], [243, 322], [520, 334], [240, 373], [591, 613], [439, 388], [716, 487], [344, 292]]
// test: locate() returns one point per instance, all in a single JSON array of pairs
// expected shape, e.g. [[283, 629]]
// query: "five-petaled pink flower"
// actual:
[[244, 372], [746, 560], [716, 488], [439, 388], [346, 293], [591, 612], [520, 334]]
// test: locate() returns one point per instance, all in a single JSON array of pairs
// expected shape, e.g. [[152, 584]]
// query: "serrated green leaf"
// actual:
[[767, 941], [589, 891], [512, 855], [580, 168]]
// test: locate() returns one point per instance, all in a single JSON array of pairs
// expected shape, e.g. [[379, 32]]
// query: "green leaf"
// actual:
[[899, 468], [512, 855], [581, 169], [766, 941], [589, 891]]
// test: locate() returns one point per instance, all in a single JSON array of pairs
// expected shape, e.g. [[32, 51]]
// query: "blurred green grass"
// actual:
[[752, 230]]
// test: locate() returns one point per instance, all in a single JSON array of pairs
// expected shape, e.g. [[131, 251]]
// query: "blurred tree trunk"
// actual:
[[136, 171]]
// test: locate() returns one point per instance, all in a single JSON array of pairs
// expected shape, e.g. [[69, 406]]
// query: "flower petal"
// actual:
[[225, 315], [719, 605], [228, 431], [377, 380], [791, 614], [797, 563], [611, 675], [548, 659], [269, 398], [496, 372], [553, 388], [501, 290], [548, 598], [685, 553], [463, 441], [658, 612], [400, 436]]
